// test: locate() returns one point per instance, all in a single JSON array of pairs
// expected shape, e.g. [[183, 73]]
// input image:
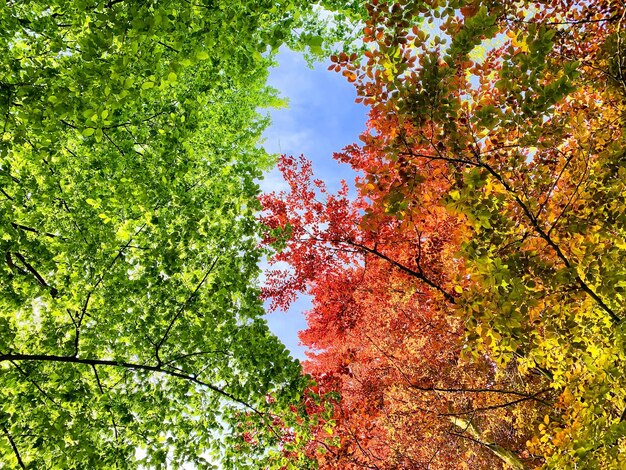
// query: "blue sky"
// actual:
[[321, 119]]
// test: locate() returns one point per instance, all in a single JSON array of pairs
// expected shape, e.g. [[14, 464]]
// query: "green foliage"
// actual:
[[128, 158]]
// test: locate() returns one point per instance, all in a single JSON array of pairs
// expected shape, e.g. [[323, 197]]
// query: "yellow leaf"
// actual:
[[520, 43]]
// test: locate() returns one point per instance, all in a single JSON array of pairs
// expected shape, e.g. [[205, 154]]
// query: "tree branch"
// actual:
[[6, 195], [32, 230], [127, 365], [417, 274], [551, 243], [507, 456], [478, 390], [95, 372], [78, 322], [41, 390], [529, 215], [503, 405], [33, 271], [167, 46], [181, 310], [14, 446], [119, 254], [113, 2]]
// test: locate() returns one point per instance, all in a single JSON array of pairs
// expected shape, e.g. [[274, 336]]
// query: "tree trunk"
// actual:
[[508, 457]]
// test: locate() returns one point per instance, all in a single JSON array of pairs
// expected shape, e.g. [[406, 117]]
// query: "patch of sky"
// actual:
[[321, 118]]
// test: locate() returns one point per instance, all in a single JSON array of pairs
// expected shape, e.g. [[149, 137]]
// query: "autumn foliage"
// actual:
[[384, 329], [469, 300]]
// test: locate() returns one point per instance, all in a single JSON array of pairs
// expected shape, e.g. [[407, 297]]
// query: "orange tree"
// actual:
[[386, 338], [492, 180]]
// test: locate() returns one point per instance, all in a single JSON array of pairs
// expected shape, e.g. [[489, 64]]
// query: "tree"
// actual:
[[509, 123], [385, 337], [519, 105], [131, 331]]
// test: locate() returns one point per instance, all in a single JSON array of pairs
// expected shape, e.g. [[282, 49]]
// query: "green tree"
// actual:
[[128, 158]]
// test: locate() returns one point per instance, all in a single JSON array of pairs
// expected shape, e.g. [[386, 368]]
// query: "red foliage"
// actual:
[[387, 327], [382, 326]]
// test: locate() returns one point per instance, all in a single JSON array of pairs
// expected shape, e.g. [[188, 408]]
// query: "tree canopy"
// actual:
[[469, 302], [131, 329]]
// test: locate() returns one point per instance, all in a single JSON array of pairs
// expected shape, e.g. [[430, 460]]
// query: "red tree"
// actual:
[[384, 332], [485, 248]]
